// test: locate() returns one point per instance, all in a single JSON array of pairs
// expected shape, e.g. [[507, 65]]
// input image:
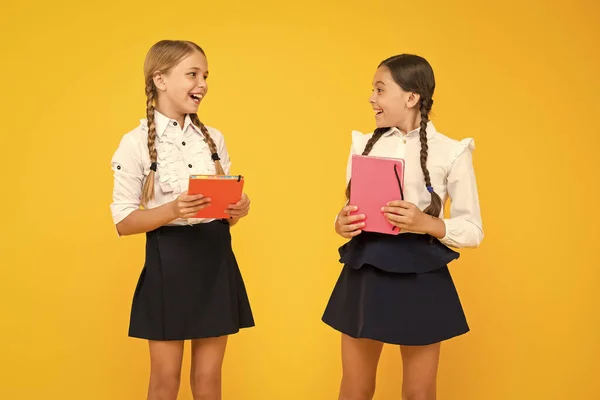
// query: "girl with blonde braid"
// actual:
[[190, 287]]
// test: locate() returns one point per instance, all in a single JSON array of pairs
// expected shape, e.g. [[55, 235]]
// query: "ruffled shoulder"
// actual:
[[467, 143], [459, 147], [359, 141]]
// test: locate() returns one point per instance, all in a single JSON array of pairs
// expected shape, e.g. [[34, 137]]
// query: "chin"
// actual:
[[192, 110], [380, 124]]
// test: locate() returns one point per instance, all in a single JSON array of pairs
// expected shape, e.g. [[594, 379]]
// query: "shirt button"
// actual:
[[174, 123], [183, 143], [118, 167], [190, 165]]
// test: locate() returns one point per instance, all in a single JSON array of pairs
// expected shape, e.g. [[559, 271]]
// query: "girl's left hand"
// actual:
[[239, 209], [406, 216]]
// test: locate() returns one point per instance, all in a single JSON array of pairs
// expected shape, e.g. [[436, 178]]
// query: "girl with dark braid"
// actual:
[[190, 286], [397, 289]]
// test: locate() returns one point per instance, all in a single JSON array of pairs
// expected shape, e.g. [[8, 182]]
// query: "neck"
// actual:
[[170, 113], [410, 124]]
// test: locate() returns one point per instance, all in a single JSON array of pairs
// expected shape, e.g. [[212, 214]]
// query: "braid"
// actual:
[[376, 136], [148, 189], [209, 141], [435, 207]]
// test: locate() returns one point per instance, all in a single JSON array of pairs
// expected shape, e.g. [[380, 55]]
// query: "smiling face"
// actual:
[[403, 88], [181, 88], [392, 105]]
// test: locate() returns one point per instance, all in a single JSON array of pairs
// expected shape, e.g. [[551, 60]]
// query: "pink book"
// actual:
[[375, 182]]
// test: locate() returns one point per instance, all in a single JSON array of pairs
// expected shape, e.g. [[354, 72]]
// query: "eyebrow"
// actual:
[[380, 82], [198, 69]]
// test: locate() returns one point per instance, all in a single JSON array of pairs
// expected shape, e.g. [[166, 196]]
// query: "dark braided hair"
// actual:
[[435, 207], [413, 74]]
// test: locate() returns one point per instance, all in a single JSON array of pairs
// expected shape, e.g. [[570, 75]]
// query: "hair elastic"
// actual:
[[153, 166], [215, 156], [430, 189]]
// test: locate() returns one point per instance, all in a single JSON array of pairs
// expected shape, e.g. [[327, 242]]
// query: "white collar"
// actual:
[[415, 132], [162, 122]]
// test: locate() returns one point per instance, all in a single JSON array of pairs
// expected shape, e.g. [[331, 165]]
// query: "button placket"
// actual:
[[401, 148], [185, 150]]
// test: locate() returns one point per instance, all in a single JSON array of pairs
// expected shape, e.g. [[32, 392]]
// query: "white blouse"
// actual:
[[181, 152], [452, 176]]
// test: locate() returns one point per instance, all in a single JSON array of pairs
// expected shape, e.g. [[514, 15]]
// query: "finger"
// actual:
[[350, 235], [395, 210], [244, 200], [353, 227], [352, 218], [235, 213], [193, 210], [348, 209], [232, 208], [237, 216], [400, 203], [240, 204], [188, 204], [397, 218], [190, 197]]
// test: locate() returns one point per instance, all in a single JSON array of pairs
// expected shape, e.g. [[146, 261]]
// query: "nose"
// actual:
[[372, 98]]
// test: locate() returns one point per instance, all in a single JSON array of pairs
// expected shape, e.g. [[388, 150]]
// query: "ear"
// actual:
[[159, 81], [413, 100]]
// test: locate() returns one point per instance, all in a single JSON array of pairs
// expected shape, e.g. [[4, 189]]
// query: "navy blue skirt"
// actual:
[[397, 290], [190, 286]]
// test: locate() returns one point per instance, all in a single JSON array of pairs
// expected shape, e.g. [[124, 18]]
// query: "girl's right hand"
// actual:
[[187, 205], [348, 225]]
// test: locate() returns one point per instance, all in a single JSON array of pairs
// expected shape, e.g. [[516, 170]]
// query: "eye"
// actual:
[[193, 74], [379, 90]]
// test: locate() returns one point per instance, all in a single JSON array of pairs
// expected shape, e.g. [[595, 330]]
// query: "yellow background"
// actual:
[[287, 86]]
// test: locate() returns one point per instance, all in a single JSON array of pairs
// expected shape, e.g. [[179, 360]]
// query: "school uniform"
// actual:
[[190, 286], [398, 289]]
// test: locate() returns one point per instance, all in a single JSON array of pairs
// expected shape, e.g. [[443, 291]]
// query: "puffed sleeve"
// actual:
[[128, 174], [464, 227]]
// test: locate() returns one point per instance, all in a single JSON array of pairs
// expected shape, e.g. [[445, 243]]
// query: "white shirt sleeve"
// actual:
[[464, 227], [128, 174]]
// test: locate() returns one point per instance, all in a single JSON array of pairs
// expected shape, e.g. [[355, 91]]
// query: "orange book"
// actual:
[[223, 191]]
